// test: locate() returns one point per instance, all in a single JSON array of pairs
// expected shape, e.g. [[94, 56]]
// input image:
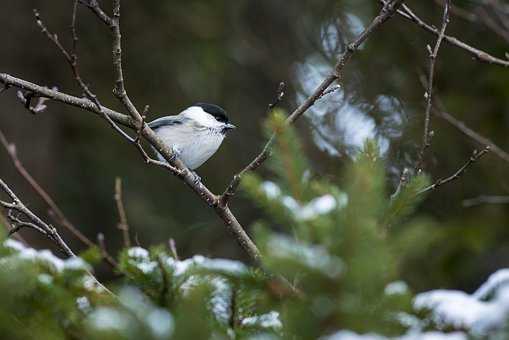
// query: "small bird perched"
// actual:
[[195, 134]]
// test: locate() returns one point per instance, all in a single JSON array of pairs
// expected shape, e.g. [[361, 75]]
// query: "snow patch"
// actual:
[[137, 252], [225, 266], [106, 318], [271, 189], [396, 288], [269, 320], [83, 304], [315, 257], [450, 308], [496, 280], [160, 323], [349, 335]]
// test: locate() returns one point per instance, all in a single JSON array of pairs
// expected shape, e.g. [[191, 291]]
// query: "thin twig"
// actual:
[[387, 11], [280, 94], [119, 89], [403, 181], [234, 184], [46, 198], [34, 222], [9, 227], [72, 60], [493, 24], [173, 248], [122, 224], [330, 91], [459, 12], [41, 226], [475, 156], [472, 134], [183, 172], [428, 134], [480, 55], [101, 243], [93, 5], [485, 199]]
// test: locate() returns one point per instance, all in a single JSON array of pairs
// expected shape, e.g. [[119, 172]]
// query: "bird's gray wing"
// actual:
[[165, 121]]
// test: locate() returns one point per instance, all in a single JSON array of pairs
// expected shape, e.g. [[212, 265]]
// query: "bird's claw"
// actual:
[[175, 152]]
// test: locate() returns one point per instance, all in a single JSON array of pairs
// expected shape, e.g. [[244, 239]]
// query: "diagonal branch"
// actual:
[[46, 198], [480, 55], [485, 199], [122, 224], [177, 167], [113, 23], [35, 223], [387, 11], [41, 226], [472, 134], [476, 155], [72, 60]]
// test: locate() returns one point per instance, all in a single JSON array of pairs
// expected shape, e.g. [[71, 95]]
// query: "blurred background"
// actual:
[[234, 54]]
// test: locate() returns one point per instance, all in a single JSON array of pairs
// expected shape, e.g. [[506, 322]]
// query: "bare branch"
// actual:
[[480, 55], [18, 224], [459, 12], [55, 211], [403, 181], [8, 227], [173, 248], [41, 226], [93, 5], [176, 166], [475, 156], [113, 23], [122, 224], [330, 91], [34, 222], [280, 94], [428, 134], [387, 11], [234, 184], [119, 91], [472, 134], [104, 251], [72, 60], [485, 199]]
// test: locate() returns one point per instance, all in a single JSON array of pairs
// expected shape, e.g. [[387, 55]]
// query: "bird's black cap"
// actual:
[[218, 112]]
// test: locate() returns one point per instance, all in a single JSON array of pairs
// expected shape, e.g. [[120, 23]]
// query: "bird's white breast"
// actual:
[[193, 146], [196, 153]]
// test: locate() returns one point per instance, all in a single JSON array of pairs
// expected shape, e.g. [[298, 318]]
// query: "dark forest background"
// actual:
[[234, 54]]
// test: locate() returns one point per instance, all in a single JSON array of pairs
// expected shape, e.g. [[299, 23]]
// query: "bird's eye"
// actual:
[[221, 119]]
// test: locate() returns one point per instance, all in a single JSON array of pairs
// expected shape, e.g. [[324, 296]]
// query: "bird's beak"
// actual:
[[229, 126]]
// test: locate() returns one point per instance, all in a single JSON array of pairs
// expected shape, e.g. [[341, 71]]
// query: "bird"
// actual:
[[195, 134]]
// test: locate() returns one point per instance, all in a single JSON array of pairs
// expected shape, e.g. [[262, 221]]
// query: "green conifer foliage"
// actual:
[[333, 252]]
